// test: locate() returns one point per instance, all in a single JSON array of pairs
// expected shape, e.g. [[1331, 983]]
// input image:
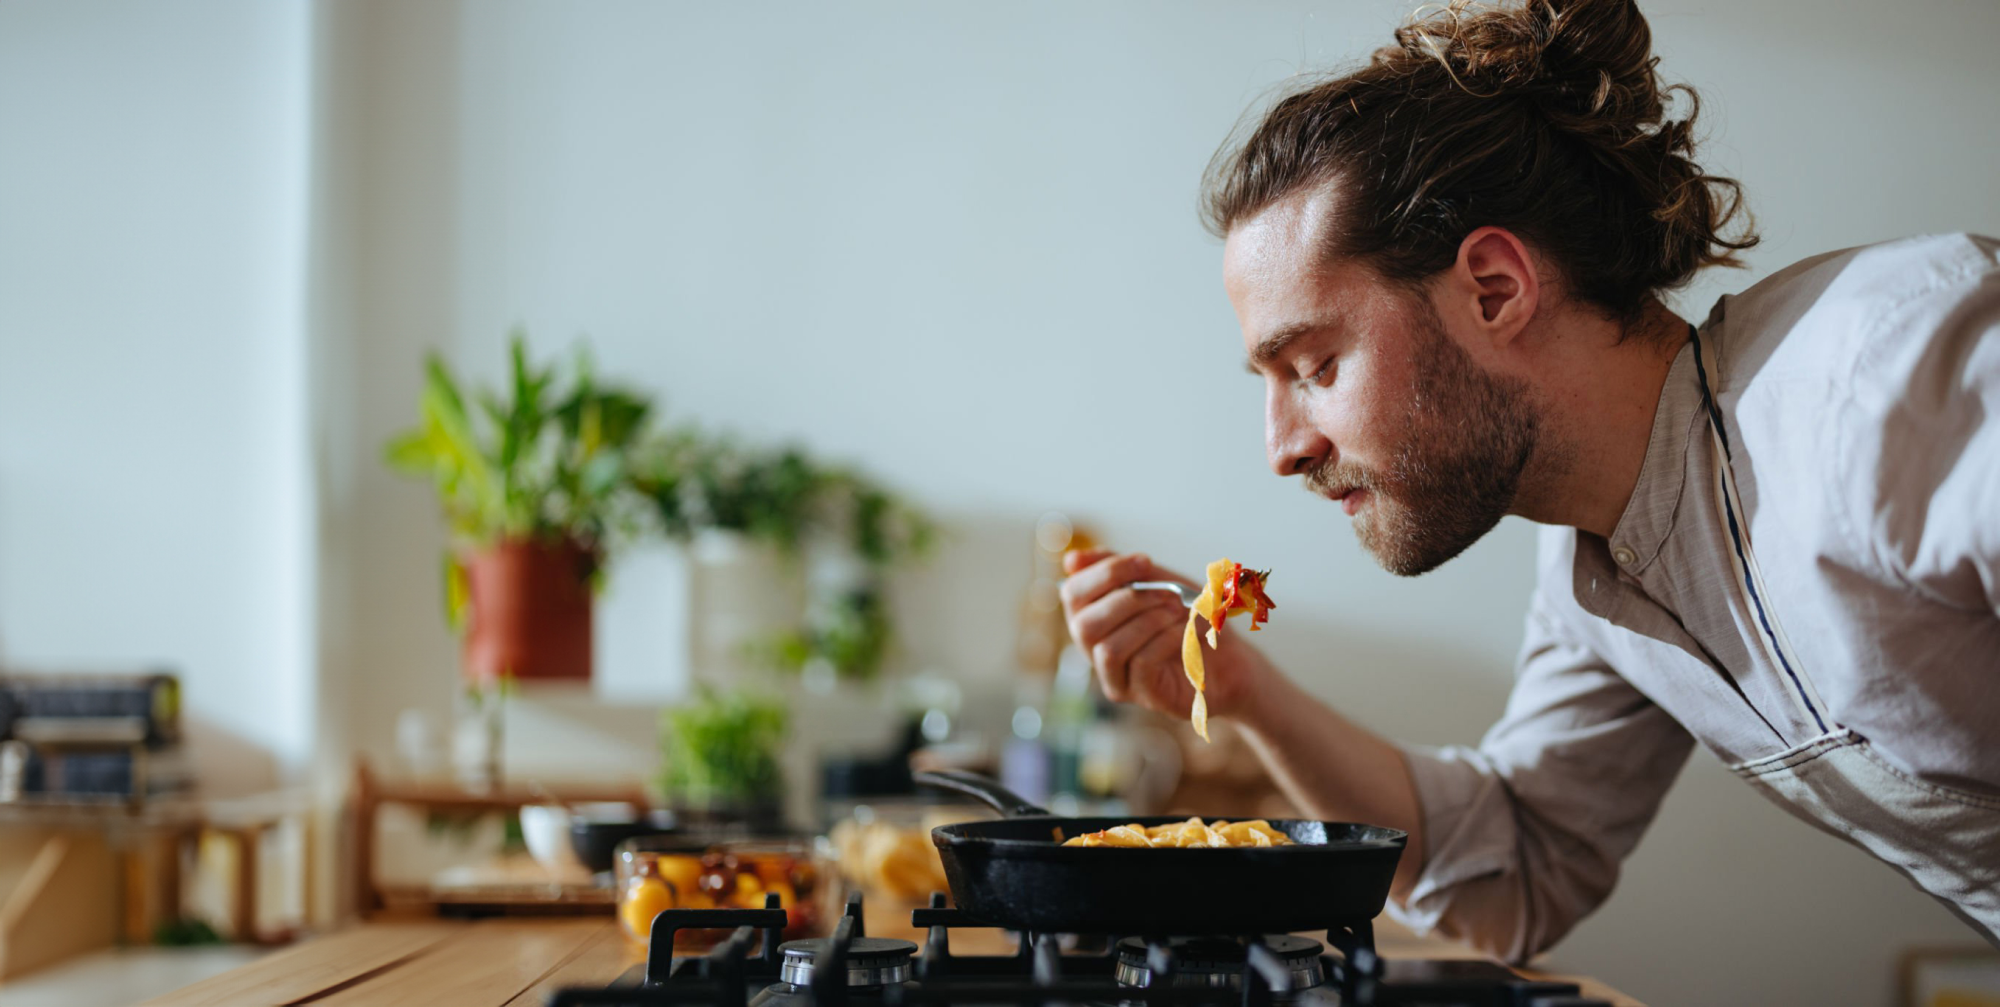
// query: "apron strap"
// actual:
[[1748, 575]]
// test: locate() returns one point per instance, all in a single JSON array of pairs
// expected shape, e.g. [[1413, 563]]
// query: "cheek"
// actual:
[[1289, 412], [1331, 415], [1346, 419], [1368, 411]]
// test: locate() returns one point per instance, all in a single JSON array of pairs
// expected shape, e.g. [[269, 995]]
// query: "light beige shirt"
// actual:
[[1860, 392]]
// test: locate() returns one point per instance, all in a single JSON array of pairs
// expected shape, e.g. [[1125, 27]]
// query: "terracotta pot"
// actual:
[[529, 611]]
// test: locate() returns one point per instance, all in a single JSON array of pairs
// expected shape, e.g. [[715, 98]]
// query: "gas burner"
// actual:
[[747, 970], [1218, 963], [871, 961]]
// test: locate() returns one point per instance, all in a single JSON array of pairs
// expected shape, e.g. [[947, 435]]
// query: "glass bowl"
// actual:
[[883, 845], [654, 873]]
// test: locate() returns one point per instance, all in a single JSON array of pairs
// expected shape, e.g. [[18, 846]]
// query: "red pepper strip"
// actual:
[[1243, 591], [1231, 600], [1246, 588]]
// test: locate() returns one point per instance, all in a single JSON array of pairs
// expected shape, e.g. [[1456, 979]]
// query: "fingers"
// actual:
[[1094, 622], [1087, 583], [1155, 671], [1133, 638], [1113, 654]]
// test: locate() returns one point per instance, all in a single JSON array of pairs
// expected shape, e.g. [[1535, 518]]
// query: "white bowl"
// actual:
[[545, 827]]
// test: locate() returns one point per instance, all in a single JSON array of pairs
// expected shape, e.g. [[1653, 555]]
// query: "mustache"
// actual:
[[1333, 479]]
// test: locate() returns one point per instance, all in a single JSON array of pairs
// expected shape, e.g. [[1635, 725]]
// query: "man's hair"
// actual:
[[1546, 119]]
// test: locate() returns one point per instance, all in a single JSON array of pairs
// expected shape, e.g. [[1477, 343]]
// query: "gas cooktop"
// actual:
[[751, 968]]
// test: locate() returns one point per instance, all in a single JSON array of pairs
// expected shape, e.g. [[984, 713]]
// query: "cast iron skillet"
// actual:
[[1014, 873]]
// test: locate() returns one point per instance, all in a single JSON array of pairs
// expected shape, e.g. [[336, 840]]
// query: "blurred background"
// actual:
[[944, 252]]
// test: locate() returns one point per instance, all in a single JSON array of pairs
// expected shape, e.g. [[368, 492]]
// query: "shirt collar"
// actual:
[[1656, 497]]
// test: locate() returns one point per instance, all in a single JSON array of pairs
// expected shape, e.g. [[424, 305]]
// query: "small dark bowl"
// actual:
[[594, 839]]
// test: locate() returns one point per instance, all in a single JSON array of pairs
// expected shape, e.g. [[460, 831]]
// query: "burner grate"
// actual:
[[1221, 962], [752, 969]]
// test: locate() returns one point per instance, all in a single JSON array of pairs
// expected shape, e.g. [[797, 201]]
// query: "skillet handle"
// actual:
[[985, 788]]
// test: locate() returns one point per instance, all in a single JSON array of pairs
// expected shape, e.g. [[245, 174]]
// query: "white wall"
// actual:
[[154, 498]]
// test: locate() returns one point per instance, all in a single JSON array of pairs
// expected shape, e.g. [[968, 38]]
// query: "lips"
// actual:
[[1343, 486], [1350, 498]]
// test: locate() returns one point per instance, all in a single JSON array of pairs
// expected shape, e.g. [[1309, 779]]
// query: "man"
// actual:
[[1777, 535]]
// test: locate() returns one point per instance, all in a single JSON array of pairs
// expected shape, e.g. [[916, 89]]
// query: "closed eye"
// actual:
[[1324, 371]]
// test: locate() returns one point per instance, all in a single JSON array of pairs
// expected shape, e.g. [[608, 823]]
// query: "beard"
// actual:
[[1467, 436]]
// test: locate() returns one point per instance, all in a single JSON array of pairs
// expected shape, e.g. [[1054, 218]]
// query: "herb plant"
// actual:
[[723, 749]]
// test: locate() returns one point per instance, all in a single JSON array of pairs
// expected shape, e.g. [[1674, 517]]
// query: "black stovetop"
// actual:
[[751, 968]]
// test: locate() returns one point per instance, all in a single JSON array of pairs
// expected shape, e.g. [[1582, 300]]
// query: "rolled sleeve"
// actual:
[[1525, 833]]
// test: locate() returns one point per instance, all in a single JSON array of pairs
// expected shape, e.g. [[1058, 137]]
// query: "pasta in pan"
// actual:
[[1193, 833]]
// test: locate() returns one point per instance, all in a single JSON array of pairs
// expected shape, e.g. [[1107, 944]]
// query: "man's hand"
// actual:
[[1328, 766], [1134, 637]]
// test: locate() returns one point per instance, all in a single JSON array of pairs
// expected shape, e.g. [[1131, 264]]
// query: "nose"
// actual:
[[1291, 442]]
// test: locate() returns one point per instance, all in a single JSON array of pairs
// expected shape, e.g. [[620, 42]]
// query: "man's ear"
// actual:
[[1495, 275]]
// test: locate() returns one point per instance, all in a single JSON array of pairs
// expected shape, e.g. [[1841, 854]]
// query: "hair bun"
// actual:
[[1580, 59]]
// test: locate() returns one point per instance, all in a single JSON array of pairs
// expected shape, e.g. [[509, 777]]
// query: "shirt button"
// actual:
[[1624, 556]]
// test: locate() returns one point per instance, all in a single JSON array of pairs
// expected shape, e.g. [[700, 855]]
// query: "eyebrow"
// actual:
[[1272, 347]]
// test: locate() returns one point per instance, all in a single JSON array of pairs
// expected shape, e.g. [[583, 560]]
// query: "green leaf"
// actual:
[[590, 428], [463, 470], [501, 416], [411, 452], [621, 418], [457, 593]]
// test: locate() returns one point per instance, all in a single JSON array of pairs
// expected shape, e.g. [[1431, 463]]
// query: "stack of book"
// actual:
[[90, 738]]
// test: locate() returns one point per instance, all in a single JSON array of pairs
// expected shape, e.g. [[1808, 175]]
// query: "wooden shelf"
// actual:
[[166, 813], [371, 792]]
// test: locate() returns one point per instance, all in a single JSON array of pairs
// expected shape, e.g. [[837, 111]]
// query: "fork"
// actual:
[[1187, 594]]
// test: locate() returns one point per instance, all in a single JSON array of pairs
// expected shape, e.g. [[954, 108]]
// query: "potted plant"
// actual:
[[532, 481], [720, 759], [850, 531]]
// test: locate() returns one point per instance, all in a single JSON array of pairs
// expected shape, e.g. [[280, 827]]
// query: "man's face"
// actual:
[[1369, 398]]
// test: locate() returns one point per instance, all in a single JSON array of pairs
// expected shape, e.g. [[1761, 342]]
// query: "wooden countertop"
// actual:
[[519, 961]]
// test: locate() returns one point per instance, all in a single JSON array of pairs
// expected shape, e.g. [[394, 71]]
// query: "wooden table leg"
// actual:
[[243, 917], [177, 842], [361, 840]]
